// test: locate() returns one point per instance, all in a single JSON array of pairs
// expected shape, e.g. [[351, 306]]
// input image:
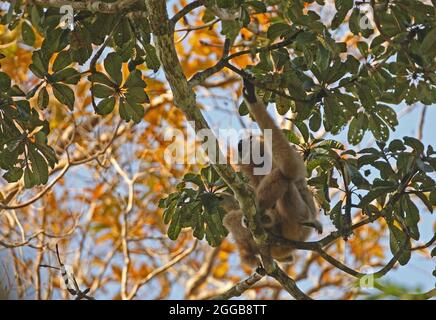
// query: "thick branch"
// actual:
[[184, 96], [240, 287]]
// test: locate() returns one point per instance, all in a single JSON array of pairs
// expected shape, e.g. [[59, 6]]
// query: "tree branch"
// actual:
[[240, 287], [188, 8]]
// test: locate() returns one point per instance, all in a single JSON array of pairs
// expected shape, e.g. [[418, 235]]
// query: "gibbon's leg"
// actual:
[[244, 240], [285, 157], [307, 197], [293, 211], [271, 188]]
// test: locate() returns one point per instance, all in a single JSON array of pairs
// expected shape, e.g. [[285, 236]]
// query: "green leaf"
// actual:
[[130, 111], [112, 65], [424, 167], [336, 215], [315, 121], [151, 59], [43, 98], [291, 136], [199, 230], [47, 152], [302, 127], [175, 226], [243, 109], [101, 78], [29, 178], [330, 106], [415, 144], [135, 80], [412, 216], [354, 21], [432, 197], [105, 106], [425, 200], [375, 193], [277, 29], [137, 95], [64, 94], [357, 128], [230, 28], [283, 104], [396, 145], [387, 114], [27, 34], [62, 61], [39, 167], [67, 76], [342, 7], [39, 64], [258, 6], [330, 144], [398, 241], [100, 91], [5, 82], [378, 128], [13, 175], [429, 43]]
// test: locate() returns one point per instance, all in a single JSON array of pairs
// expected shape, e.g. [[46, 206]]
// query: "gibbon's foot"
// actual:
[[313, 224]]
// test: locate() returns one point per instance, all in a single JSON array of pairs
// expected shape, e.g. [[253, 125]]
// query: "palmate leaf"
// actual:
[[27, 33], [101, 91], [105, 106], [399, 244], [357, 128], [64, 94], [43, 98], [5, 82], [101, 78], [13, 175], [198, 209], [63, 60], [151, 59], [131, 111], [112, 65]]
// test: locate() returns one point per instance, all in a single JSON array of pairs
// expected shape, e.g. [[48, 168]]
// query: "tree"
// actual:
[[84, 107]]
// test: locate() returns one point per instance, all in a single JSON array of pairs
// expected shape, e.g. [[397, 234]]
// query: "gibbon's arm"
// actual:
[[228, 202], [285, 157], [271, 188]]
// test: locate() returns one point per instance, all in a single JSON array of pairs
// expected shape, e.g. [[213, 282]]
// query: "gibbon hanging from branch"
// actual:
[[282, 194]]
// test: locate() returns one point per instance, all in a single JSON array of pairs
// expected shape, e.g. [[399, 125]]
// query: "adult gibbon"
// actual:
[[283, 194]]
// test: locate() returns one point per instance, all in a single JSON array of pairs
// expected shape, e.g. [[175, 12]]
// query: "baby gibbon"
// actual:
[[283, 194]]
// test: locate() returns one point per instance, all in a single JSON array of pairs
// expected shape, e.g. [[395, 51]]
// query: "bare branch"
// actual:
[[161, 270], [240, 287]]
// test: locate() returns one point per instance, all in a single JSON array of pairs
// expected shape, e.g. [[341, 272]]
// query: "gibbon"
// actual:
[[283, 194]]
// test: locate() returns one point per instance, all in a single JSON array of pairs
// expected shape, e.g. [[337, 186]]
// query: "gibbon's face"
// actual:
[[251, 151]]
